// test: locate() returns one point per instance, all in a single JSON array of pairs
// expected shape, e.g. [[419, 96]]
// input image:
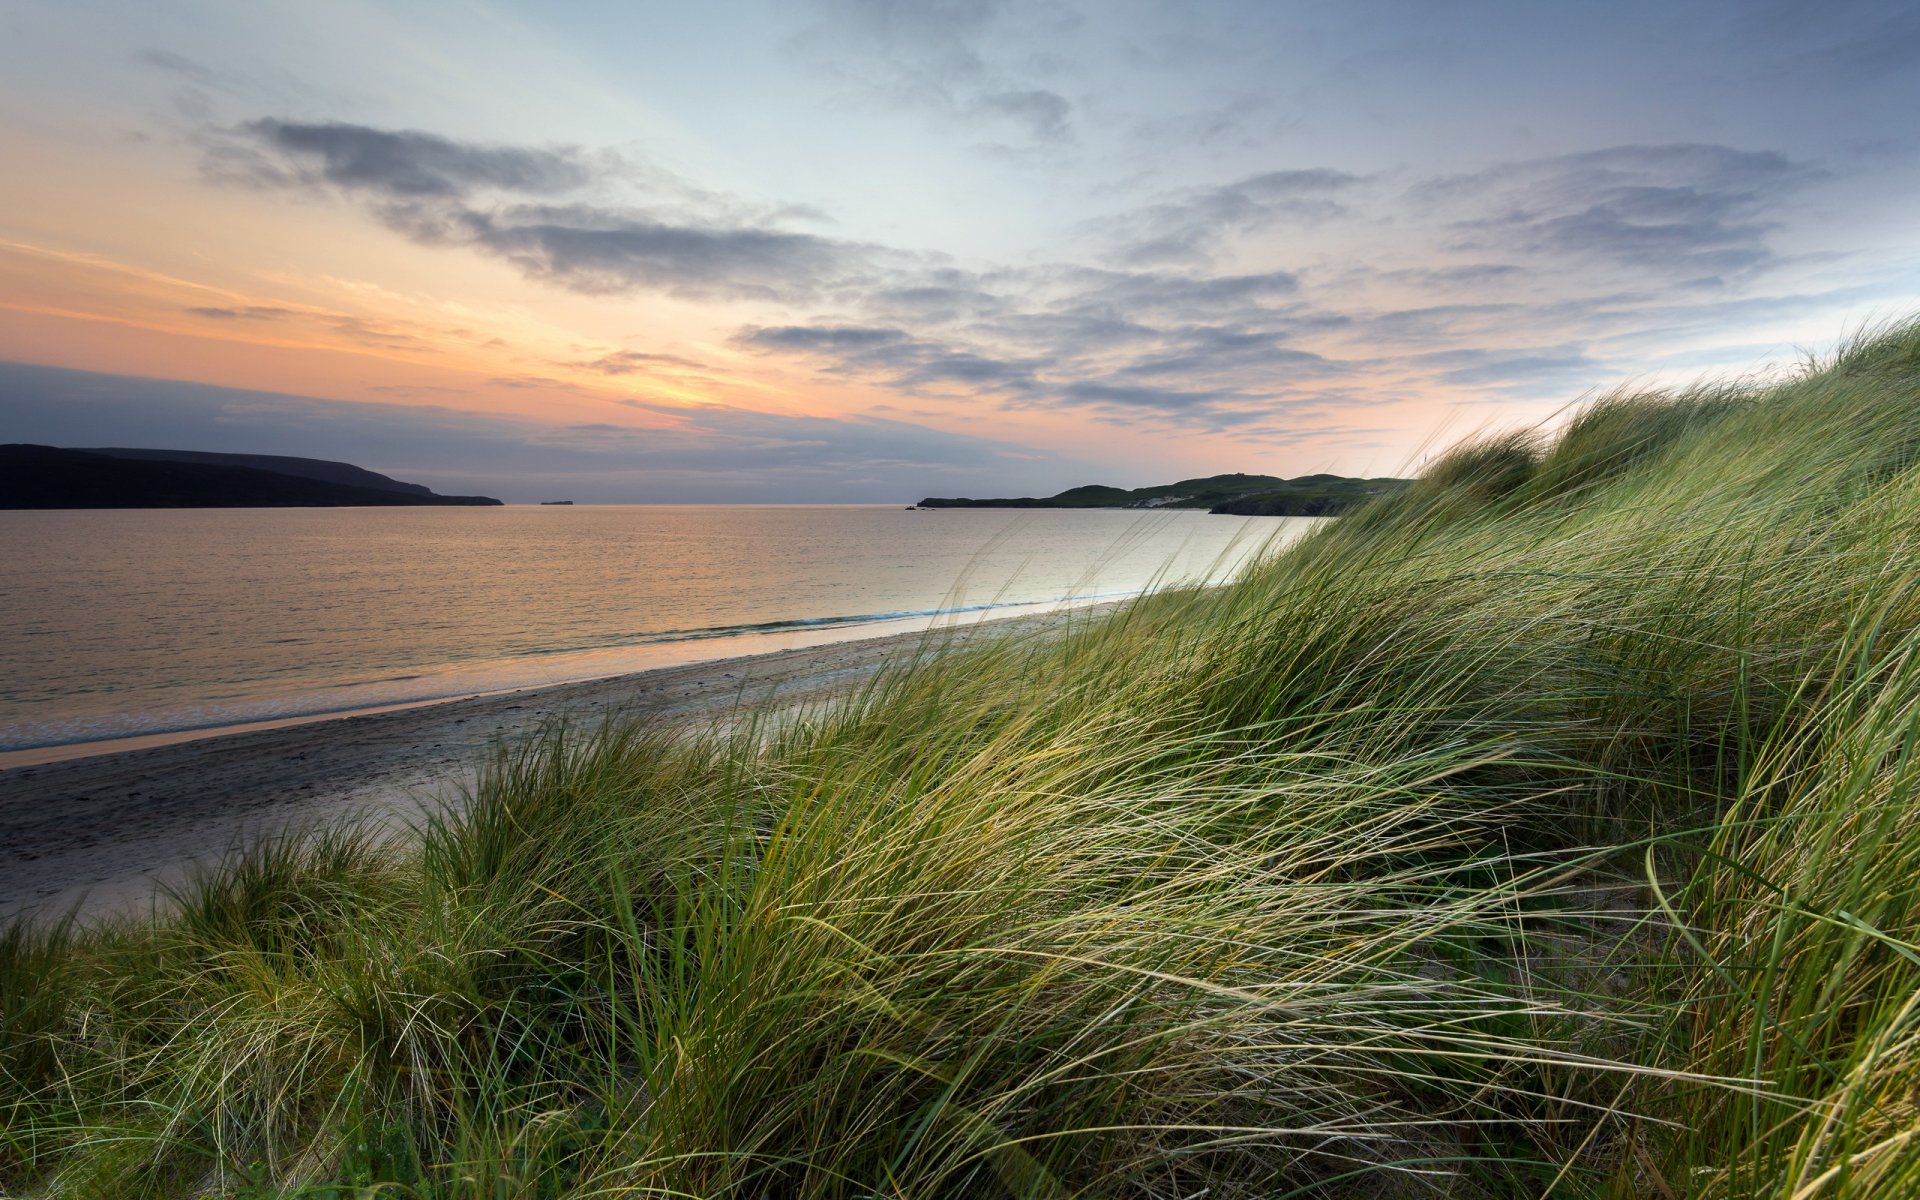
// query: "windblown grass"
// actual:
[[1549, 828]]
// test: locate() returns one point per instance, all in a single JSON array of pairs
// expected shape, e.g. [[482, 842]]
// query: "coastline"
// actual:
[[101, 833], [555, 670]]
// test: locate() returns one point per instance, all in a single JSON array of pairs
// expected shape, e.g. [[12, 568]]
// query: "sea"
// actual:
[[127, 624]]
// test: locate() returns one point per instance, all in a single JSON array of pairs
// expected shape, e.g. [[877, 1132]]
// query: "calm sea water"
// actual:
[[126, 623]]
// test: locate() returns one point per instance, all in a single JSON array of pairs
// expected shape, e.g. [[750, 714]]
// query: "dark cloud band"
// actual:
[[409, 164], [439, 191]]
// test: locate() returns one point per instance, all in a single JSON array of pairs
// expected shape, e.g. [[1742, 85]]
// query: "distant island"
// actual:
[[51, 477], [1236, 494]]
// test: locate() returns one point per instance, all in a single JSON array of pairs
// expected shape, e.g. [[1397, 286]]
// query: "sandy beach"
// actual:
[[103, 833]]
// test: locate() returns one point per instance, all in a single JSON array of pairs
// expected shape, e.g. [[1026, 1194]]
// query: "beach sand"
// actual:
[[101, 834]]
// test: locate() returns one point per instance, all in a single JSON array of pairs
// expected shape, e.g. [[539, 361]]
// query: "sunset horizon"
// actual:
[[862, 251]]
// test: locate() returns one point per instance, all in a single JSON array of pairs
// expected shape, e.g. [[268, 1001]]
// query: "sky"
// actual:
[[871, 250]]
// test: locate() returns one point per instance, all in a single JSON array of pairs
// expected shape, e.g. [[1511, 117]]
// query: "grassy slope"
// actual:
[[1546, 828]]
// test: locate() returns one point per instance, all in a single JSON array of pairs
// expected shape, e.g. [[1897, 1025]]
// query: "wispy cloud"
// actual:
[[603, 251], [1043, 113], [1676, 210], [506, 201], [630, 362], [1127, 373], [967, 61], [1187, 227], [408, 164], [348, 327], [191, 70]]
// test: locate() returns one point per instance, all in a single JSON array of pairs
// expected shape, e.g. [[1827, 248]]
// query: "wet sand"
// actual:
[[102, 833]]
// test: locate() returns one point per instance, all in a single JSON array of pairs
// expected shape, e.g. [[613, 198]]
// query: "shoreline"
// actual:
[[606, 663], [100, 833]]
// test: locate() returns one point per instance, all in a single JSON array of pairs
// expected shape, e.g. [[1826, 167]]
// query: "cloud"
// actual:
[[1441, 322], [1095, 393], [945, 297], [1175, 132], [1174, 350], [1211, 352], [346, 326], [1074, 331], [442, 192], [1679, 210], [1189, 225], [894, 357], [408, 164], [1529, 372], [605, 252], [531, 383], [248, 312], [1464, 275], [1169, 293], [979, 371], [706, 454], [933, 38], [807, 338], [1044, 113], [630, 362], [1108, 367], [968, 61], [189, 69]]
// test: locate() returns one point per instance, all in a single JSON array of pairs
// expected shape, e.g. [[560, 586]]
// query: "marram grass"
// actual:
[[1549, 829]]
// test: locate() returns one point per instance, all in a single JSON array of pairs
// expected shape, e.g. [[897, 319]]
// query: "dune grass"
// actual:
[[1547, 829]]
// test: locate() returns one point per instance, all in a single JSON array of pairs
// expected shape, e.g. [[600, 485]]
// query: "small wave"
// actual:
[[703, 632], [699, 633]]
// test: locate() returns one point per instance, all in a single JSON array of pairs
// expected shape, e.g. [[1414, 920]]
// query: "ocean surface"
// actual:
[[130, 623]]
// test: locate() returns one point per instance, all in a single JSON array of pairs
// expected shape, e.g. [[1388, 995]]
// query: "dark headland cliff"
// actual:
[[50, 477]]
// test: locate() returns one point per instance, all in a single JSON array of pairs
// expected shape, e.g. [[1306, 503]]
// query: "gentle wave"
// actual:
[[718, 631]]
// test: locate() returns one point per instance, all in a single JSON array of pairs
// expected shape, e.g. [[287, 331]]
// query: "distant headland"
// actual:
[[50, 477], [1237, 494]]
